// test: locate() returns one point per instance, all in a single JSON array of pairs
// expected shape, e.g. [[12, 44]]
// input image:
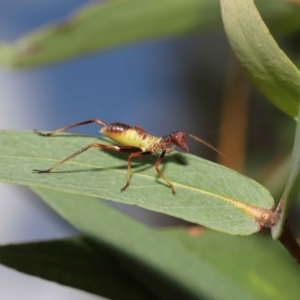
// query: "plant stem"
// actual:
[[289, 242]]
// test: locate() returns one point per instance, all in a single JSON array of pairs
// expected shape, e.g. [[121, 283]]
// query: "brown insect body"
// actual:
[[133, 140], [177, 138]]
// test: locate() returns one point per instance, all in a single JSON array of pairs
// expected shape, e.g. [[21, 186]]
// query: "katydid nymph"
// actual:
[[133, 140]]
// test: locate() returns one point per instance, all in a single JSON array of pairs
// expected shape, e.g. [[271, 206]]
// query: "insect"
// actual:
[[133, 140]]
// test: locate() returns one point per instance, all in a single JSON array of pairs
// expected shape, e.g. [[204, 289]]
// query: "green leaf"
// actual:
[[166, 262], [292, 180], [100, 26], [78, 263], [258, 53], [280, 16], [207, 193]]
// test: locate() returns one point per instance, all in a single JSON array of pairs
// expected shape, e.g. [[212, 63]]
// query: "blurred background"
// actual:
[[190, 83]]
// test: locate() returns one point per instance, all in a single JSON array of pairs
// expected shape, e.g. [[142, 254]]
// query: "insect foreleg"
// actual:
[[131, 156], [71, 126], [160, 158], [95, 145]]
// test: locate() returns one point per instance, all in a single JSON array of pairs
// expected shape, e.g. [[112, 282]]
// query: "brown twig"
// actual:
[[289, 242]]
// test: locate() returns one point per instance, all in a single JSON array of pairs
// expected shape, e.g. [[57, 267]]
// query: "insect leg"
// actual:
[[71, 126], [160, 158], [131, 156], [95, 145]]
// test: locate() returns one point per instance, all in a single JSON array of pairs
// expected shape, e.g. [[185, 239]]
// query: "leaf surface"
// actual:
[[258, 53], [78, 263], [188, 263], [207, 193]]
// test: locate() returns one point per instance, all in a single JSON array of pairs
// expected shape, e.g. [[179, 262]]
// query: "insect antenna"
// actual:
[[215, 149]]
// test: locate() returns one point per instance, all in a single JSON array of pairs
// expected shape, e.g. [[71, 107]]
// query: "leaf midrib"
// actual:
[[245, 207]]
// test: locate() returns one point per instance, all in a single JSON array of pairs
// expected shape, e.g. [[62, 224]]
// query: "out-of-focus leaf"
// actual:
[[99, 26], [207, 193], [280, 16], [78, 263], [258, 53], [192, 263]]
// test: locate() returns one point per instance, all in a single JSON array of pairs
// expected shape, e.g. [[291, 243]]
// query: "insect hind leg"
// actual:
[[94, 145], [94, 120]]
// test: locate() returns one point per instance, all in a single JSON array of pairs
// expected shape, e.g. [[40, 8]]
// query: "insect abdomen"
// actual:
[[121, 133], [114, 128], [129, 136]]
